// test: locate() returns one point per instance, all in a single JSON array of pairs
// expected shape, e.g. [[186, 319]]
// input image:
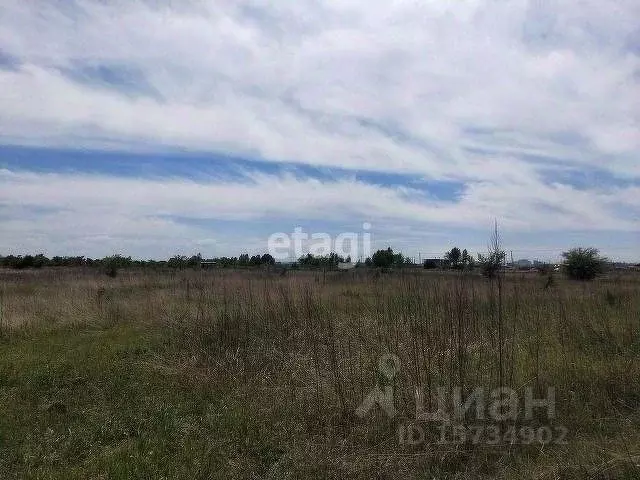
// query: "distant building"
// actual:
[[523, 264], [623, 266], [346, 265]]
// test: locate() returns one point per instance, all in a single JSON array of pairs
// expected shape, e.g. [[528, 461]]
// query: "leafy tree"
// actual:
[[327, 261], [267, 259], [40, 261], [113, 263], [583, 263], [453, 256], [307, 261], [10, 261], [383, 258], [226, 262], [195, 261], [334, 259], [430, 264], [467, 261], [398, 259], [177, 261], [27, 261], [491, 263]]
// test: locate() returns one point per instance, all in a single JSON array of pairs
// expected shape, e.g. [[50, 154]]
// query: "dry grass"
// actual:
[[273, 367]]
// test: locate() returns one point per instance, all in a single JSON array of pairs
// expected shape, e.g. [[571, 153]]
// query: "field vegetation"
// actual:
[[253, 374]]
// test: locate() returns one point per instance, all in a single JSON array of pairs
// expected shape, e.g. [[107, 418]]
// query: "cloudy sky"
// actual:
[[151, 128]]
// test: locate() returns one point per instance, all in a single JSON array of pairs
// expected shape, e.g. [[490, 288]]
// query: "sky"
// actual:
[[154, 128]]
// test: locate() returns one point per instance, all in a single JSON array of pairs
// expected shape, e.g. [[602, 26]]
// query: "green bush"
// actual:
[[492, 263], [583, 263]]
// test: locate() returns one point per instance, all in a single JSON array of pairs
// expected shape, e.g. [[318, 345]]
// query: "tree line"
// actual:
[[120, 261], [579, 263]]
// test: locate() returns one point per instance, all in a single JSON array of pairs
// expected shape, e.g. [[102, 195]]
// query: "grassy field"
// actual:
[[251, 374]]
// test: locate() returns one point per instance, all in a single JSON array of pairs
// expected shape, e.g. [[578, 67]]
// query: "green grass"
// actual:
[[89, 402], [226, 375], [107, 403]]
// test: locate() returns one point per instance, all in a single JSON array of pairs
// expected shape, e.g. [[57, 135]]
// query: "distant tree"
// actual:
[[80, 261], [453, 256], [326, 261], [306, 260], [583, 263], [40, 261], [398, 260], [113, 263], [10, 261], [466, 261], [267, 259], [27, 261], [383, 258], [335, 259], [195, 261], [430, 264], [227, 262], [177, 261], [492, 263], [243, 260]]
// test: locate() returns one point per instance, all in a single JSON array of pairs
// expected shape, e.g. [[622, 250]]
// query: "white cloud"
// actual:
[[304, 81], [487, 92], [102, 213]]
